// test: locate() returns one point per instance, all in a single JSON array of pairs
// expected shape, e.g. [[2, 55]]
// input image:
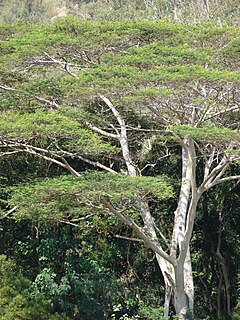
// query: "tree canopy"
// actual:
[[113, 103]]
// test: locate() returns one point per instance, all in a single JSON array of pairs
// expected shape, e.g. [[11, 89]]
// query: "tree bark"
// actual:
[[181, 304], [179, 230]]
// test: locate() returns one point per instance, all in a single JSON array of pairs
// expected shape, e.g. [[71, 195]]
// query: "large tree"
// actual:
[[122, 98]]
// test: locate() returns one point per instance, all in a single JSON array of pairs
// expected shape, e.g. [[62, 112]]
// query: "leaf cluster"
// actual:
[[68, 195], [207, 132], [16, 301]]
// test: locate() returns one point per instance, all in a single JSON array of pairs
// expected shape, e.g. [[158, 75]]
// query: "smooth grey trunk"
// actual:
[[175, 265], [179, 230], [180, 299], [169, 280], [178, 276]]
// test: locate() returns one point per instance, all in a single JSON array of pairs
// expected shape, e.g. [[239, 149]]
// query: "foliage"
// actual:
[[51, 85], [208, 132], [190, 11], [67, 195], [15, 298]]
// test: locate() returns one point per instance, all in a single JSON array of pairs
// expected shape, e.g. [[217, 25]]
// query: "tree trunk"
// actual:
[[169, 280], [165, 267], [188, 280], [181, 302], [179, 229]]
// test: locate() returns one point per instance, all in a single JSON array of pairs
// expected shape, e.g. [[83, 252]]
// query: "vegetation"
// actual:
[[119, 143], [17, 301], [38, 11]]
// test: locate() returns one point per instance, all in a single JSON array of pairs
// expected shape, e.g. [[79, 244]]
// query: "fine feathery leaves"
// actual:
[[67, 195]]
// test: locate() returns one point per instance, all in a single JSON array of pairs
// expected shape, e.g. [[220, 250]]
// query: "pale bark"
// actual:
[[122, 137], [176, 265], [164, 265], [39, 152], [176, 271], [179, 230], [151, 243], [180, 298], [181, 211], [169, 280]]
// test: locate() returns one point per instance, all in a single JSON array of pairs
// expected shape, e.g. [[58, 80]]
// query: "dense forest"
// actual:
[[120, 160]]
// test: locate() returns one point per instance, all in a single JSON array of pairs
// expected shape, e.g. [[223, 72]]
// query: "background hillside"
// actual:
[[38, 11]]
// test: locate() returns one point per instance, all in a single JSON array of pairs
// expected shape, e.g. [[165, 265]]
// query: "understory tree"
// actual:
[[16, 300], [123, 98]]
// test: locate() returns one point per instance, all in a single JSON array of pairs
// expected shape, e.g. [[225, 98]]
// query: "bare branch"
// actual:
[[162, 120], [93, 163], [222, 112], [114, 110], [7, 153], [122, 137], [8, 213], [128, 238], [100, 131], [5, 87], [48, 102], [230, 178], [206, 184], [70, 168], [44, 154], [154, 245], [73, 222], [64, 64], [83, 218], [209, 163]]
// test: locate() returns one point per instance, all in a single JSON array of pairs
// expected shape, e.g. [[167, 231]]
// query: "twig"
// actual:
[[128, 238], [8, 213]]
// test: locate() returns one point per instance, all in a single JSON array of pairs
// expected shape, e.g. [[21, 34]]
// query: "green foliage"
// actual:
[[207, 132], [137, 64], [43, 123], [84, 271], [83, 296], [16, 302], [68, 195], [139, 58], [144, 312]]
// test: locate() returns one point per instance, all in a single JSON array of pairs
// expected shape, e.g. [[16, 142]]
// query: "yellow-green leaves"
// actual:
[[52, 124], [66, 194], [207, 133]]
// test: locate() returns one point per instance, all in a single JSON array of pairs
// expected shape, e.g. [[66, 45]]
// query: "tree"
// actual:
[[15, 297], [112, 93]]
